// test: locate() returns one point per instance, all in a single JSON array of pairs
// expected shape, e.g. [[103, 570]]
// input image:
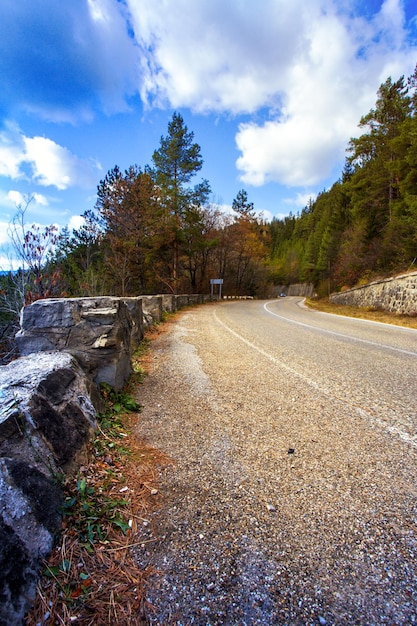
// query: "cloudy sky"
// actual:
[[272, 89]]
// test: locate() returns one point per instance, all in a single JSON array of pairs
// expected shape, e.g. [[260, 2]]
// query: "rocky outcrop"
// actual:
[[46, 419], [396, 295], [97, 331]]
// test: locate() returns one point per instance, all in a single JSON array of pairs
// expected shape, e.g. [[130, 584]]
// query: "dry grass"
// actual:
[[91, 577], [363, 313]]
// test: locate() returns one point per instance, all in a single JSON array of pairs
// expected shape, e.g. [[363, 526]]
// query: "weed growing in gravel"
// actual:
[[91, 513]]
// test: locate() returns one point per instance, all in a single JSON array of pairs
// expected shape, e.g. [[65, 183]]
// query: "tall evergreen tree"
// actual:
[[176, 162], [374, 185], [242, 206]]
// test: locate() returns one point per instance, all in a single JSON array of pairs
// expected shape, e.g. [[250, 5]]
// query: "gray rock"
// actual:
[[97, 331], [29, 521], [182, 301], [169, 303], [46, 419], [195, 298], [152, 309], [134, 306], [46, 411]]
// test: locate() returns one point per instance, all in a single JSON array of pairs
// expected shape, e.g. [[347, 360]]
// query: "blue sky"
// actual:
[[272, 90]]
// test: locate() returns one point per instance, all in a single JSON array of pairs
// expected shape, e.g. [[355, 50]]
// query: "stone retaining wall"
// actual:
[[396, 295], [48, 403], [305, 290]]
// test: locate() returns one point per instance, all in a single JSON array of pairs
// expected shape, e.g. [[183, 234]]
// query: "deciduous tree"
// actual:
[[32, 246]]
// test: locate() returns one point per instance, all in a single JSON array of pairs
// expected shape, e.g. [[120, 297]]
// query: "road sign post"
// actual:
[[216, 281]]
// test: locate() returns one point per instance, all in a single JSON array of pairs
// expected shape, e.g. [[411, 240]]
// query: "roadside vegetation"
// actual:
[[368, 313], [91, 576]]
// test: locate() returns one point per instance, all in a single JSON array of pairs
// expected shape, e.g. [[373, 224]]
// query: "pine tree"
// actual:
[[176, 162]]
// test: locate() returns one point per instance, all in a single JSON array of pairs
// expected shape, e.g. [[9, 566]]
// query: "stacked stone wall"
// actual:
[[396, 295], [48, 402]]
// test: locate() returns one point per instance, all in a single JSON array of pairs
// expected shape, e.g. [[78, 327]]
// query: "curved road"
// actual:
[[292, 494], [368, 365]]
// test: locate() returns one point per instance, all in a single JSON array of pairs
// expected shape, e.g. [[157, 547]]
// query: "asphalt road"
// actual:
[[291, 497], [371, 367]]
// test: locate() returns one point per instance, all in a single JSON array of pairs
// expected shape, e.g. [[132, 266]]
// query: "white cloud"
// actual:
[[215, 56], [20, 199], [228, 212], [301, 200], [40, 199], [43, 162], [226, 209], [7, 262], [76, 221], [51, 163], [266, 216], [315, 66], [11, 152], [16, 197], [327, 93], [4, 238]]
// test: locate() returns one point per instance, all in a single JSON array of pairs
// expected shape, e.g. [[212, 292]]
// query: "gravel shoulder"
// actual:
[[276, 505]]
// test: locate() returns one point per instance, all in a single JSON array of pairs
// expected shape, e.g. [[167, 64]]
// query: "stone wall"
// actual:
[[48, 402], [301, 289], [97, 331], [396, 295]]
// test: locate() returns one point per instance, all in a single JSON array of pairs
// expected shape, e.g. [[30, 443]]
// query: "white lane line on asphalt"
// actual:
[[271, 358], [341, 335], [364, 413]]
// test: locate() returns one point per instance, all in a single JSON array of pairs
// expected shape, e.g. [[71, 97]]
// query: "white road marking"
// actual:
[[271, 358], [364, 413], [341, 335]]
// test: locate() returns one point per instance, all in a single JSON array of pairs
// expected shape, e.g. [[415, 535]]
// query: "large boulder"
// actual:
[[29, 522], [46, 412], [97, 331], [46, 418]]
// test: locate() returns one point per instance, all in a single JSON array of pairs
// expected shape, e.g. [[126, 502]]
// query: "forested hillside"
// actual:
[[365, 225]]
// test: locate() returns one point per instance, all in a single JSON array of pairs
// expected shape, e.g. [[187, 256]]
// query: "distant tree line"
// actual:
[[152, 231]]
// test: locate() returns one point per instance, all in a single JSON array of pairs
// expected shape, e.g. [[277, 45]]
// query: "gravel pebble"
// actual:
[[277, 505]]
